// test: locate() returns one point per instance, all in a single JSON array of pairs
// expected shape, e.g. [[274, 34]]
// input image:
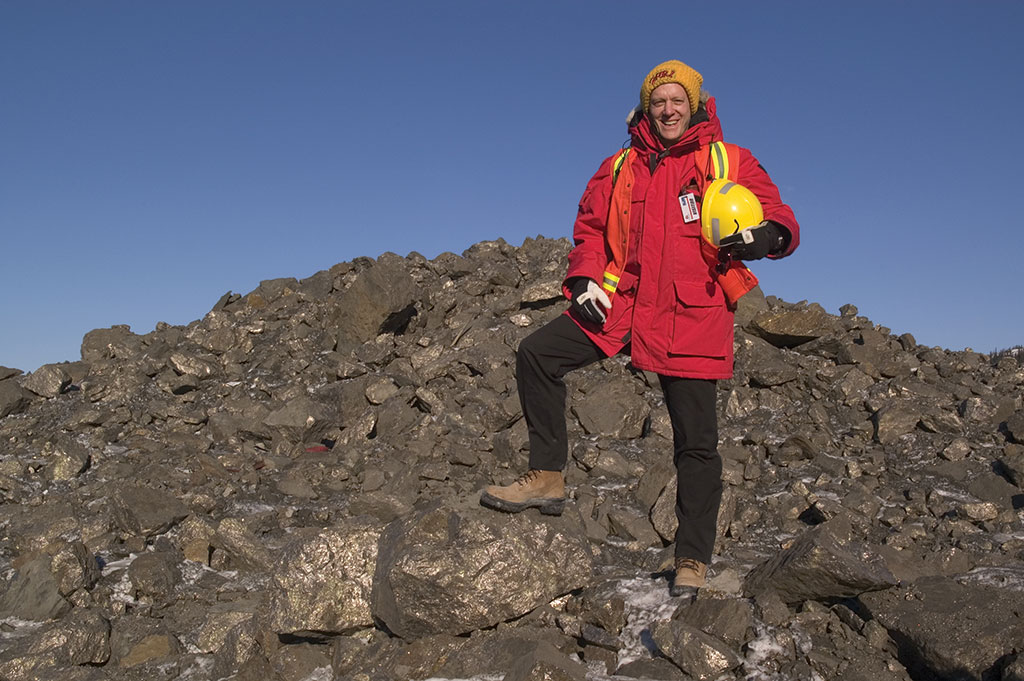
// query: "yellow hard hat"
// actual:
[[728, 208]]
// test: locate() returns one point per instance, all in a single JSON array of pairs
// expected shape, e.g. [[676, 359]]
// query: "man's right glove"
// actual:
[[752, 244], [588, 299]]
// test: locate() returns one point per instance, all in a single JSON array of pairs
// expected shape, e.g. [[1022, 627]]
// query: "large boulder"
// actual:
[[453, 570], [323, 582], [380, 297], [952, 629], [821, 565]]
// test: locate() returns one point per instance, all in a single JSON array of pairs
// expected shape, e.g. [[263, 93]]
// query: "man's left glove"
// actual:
[[588, 300], [752, 244]]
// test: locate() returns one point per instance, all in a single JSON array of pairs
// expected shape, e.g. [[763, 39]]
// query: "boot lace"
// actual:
[[527, 477], [688, 564]]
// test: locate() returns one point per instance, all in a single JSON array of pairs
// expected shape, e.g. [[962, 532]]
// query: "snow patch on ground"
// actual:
[[1001, 577]]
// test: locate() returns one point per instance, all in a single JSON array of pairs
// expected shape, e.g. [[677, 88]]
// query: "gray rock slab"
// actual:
[[115, 342], [951, 630], [729, 620], [13, 398], [378, 294], [67, 461], [1015, 426], [154, 575], [323, 583], [241, 545], [82, 637], [612, 408], [657, 668], [453, 570], [146, 511], [897, 418], [34, 594], [301, 420], [545, 663], [821, 565], [789, 328], [1013, 466]]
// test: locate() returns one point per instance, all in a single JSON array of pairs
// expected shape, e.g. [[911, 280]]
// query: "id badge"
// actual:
[[688, 203]]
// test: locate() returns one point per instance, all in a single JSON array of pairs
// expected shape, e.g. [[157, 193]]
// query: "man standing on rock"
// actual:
[[641, 280]]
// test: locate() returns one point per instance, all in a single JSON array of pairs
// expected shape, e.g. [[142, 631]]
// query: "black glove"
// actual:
[[589, 302], [752, 244]]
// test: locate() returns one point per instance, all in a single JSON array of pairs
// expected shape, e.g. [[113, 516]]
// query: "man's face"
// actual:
[[669, 112]]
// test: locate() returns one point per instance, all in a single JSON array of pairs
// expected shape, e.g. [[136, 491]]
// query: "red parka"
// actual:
[[667, 304]]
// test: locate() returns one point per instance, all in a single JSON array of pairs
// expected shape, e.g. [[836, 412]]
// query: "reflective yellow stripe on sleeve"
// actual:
[[610, 283]]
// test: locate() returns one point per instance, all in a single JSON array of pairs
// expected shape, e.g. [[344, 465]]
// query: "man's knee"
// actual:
[[527, 350]]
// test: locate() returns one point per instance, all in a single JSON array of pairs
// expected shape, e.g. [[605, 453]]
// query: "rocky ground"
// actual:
[[288, 490]]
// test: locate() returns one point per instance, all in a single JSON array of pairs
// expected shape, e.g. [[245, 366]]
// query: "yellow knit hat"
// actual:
[[672, 71]]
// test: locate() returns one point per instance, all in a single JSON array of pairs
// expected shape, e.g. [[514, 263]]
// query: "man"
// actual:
[[641, 280]]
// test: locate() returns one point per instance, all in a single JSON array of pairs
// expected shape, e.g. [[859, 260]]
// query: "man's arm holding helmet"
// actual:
[[778, 235]]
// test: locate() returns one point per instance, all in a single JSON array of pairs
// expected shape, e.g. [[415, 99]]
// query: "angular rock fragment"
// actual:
[[154, 575], [219, 622], [453, 570], [194, 365], [74, 568], [83, 637], [323, 583], [301, 420], [13, 398], [115, 342], [726, 619], [545, 663], [48, 380], [146, 511], [696, 653], [820, 566], [68, 460], [379, 297], [789, 328], [34, 593], [242, 547], [895, 419], [1015, 427], [1013, 466], [612, 408]]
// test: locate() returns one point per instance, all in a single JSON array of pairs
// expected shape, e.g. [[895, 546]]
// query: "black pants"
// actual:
[[547, 355]]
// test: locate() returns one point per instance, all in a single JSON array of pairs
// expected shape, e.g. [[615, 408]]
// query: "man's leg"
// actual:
[[691, 407], [542, 360]]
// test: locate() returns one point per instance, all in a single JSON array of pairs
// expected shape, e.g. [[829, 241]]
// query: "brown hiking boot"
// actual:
[[534, 489], [689, 577]]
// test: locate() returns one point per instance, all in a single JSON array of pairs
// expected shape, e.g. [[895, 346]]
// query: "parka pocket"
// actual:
[[701, 323]]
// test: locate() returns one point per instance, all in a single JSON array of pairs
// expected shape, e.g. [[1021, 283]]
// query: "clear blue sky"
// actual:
[[154, 155]]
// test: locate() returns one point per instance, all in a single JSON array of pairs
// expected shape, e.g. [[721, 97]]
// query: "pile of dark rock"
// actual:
[[288, 489]]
